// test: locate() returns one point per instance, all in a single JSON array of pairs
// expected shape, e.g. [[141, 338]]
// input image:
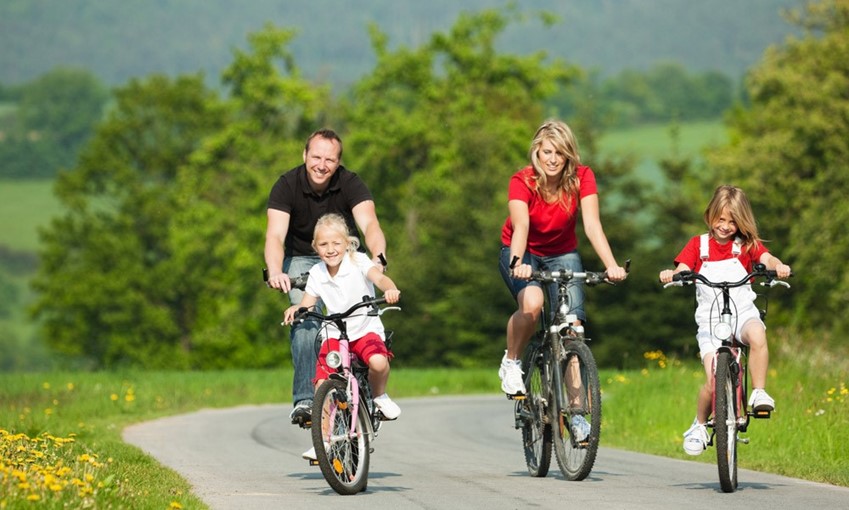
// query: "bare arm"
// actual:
[[774, 264], [385, 284], [307, 302], [275, 237], [521, 220], [666, 275], [365, 216], [595, 233]]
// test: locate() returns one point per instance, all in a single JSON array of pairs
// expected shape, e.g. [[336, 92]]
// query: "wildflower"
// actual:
[[175, 505]]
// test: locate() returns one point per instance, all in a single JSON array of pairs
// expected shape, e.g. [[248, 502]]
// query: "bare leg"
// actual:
[[755, 336], [704, 406], [378, 374], [523, 322]]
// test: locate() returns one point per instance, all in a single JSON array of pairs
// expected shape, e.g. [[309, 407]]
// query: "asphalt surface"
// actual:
[[446, 452]]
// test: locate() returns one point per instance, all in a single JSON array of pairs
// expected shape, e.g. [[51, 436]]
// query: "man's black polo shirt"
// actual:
[[293, 194]]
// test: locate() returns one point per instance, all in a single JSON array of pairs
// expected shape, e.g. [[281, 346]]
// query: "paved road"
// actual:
[[454, 452]]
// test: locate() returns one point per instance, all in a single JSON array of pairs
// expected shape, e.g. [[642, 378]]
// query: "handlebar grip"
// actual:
[[382, 259], [682, 276], [513, 262]]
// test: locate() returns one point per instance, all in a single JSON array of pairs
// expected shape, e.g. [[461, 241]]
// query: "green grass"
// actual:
[[25, 205], [644, 411]]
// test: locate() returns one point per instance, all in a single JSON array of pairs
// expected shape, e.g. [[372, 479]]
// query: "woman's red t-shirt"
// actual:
[[552, 228]]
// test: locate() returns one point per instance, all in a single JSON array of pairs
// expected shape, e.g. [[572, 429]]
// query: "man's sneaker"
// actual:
[[761, 401], [696, 438], [310, 454], [389, 408], [302, 413], [511, 376], [580, 428]]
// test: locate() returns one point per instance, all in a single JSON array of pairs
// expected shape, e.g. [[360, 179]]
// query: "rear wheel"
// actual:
[[579, 411], [725, 419], [343, 455], [531, 414]]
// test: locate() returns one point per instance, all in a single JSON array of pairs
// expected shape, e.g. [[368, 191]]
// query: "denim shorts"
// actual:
[[570, 261]]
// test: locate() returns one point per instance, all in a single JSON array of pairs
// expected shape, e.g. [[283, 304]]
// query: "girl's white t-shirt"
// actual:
[[341, 292]]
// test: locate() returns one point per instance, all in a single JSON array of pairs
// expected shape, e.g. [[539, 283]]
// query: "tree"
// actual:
[[437, 132], [106, 280], [790, 151]]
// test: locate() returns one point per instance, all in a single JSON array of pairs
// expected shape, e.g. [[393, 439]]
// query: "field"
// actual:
[[60, 438]]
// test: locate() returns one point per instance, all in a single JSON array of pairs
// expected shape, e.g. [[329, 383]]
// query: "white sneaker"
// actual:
[[696, 438], [511, 376], [389, 408], [580, 428], [310, 454], [761, 401]]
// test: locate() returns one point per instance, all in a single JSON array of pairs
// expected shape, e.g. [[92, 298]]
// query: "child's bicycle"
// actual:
[[344, 418], [730, 409], [563, 401]]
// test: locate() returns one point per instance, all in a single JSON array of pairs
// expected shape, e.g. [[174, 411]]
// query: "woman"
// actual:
[[543, 203]]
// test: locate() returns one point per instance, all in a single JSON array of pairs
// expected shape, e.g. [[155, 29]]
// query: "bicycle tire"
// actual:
[[345, 461], [725, 422], [576, 458], [533, 415]]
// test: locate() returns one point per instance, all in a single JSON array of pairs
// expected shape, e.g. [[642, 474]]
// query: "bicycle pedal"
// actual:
[[762, 414], [305, 424], [518, 396], [313, 462]]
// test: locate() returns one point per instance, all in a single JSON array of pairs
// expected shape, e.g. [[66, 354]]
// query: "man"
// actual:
[[299, 197]]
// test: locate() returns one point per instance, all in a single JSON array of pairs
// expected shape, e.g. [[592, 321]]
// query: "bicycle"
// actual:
[[562, 386], [730, 412], [348, 420]]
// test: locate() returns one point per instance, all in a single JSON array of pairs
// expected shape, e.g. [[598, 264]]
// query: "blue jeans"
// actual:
[[570, 261], [303, 335]]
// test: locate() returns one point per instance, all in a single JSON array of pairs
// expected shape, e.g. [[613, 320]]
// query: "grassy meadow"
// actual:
[[60, 433]]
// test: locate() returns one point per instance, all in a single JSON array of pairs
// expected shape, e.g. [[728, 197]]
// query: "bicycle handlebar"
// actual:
[[689, 278], [591, 278], [303, 313], [298, 282]]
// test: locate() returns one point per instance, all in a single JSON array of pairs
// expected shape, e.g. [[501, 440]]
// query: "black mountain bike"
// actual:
[[562, 406]]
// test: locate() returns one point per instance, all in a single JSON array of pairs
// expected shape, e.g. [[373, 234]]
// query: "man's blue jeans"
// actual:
[[303, 335]]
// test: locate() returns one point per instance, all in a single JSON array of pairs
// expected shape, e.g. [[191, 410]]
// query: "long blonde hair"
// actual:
[[559, 134], [737, 203], [336, 223]]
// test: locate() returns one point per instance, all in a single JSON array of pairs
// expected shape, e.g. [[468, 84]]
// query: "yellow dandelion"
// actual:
[[113, 397], [175, 505], [70, 386], [33, 497], [45, 385]]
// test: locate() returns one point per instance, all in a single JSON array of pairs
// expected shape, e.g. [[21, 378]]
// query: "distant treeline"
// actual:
[[44, 123]]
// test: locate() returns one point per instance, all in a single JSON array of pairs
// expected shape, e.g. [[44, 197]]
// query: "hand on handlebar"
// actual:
[[279, 281], [392, 296], [616, 273], [290, 315]]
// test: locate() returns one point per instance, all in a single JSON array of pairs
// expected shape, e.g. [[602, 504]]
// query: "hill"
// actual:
[[119, 40]]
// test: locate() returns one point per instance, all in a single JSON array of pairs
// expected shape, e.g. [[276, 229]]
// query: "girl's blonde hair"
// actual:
[[559, 134], [737, 203], [336, 223]]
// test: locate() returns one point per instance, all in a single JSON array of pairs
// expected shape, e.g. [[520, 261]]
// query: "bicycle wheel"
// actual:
[[531, 415], [341, 440], [579, 399], [725, 422]]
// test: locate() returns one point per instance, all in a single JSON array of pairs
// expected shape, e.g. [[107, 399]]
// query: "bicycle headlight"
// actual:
[[334, 359], [722, 331]]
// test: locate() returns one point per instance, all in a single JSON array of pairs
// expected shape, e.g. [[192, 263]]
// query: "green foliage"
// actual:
[[790, 150], [53, 117], [664, 93], [106, 280], [436, 132]]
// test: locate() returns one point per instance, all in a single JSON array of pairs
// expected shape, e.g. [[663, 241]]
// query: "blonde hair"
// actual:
[[737, 203], [559, 134], [336, 223]]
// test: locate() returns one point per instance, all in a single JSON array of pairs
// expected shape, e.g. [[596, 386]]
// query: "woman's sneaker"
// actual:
[[761, 401], [387, 407], [302, 414], [511, 373], [695, 439], [580, 428]]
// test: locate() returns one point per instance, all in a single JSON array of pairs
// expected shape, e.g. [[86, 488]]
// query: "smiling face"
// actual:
[[724, 227], [331, 245], [552, 161], [321, 158]]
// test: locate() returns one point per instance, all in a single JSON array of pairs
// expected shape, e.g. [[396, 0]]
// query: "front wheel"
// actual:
[[576, 415], [725, 422], [532, 415], [340, 439]]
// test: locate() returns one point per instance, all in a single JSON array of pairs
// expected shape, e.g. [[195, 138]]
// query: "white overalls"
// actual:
[[709, 300]]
